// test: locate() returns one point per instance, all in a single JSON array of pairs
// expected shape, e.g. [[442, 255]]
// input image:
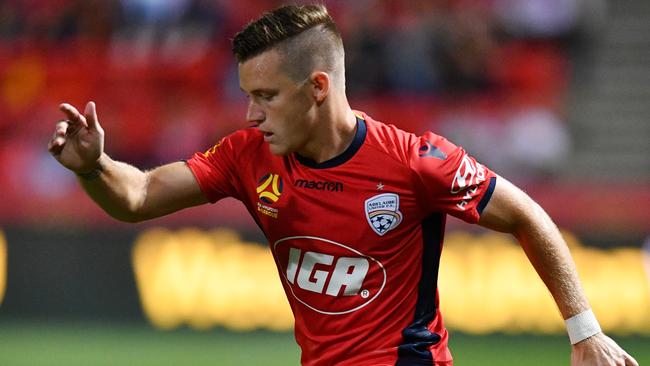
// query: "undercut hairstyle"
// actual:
[[305, 36]]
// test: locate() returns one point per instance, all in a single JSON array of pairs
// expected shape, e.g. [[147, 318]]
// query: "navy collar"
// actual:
[[359, 138]]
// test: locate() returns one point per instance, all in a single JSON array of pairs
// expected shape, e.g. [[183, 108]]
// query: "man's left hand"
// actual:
[[600, 350]]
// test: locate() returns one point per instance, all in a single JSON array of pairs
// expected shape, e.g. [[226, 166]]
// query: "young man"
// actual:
[[354, 210]]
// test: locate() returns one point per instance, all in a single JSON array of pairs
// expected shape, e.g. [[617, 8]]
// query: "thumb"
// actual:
[[91, 116]]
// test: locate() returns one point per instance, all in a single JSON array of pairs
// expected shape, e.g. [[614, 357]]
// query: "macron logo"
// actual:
[[319, 186]]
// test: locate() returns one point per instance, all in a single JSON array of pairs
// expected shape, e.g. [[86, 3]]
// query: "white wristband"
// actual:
[[582, 326]]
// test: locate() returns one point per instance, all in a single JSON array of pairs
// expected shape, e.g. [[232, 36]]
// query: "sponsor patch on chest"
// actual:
[[326, 276]]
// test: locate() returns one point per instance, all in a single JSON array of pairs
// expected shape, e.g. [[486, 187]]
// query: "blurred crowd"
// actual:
[[492, 75]]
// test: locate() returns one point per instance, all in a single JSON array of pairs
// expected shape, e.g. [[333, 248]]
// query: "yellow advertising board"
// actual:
[[3, 266], [205, 279], [214, 278]]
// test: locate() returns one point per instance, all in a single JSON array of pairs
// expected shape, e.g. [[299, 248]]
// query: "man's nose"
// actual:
[[254, 113]]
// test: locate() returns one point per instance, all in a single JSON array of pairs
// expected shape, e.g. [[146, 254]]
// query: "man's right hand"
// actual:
[[78, 141]]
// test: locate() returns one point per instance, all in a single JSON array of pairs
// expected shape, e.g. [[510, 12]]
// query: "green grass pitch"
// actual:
[[71, 344]]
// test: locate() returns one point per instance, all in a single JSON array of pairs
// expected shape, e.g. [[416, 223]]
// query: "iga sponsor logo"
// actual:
[[469, 173], [382, 212], [328, 277]]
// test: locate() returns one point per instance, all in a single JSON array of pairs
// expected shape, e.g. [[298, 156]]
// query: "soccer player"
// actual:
[[353, 209]]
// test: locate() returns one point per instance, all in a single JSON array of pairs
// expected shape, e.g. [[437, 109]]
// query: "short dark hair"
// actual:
[[279, 25]]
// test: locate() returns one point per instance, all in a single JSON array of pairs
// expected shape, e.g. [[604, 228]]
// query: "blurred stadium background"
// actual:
[[550, 93]]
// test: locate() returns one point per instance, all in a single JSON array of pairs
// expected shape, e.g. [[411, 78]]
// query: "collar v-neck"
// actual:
[[359, 138]]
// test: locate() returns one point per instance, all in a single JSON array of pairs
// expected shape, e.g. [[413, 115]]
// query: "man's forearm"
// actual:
[[116, 187], [549, 254], [510, 210]]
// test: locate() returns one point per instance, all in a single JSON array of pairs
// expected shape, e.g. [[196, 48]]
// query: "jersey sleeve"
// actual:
[[449, 179], [216, 170]]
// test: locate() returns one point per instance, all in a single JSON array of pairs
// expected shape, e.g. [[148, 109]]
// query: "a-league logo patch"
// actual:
[[270, 188], [269, 191], [382, 212]]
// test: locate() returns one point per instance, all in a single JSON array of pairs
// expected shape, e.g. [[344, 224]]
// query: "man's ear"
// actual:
[[320, 84]]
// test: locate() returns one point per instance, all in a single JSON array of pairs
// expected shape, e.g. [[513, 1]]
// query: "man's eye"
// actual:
[[267, 97]]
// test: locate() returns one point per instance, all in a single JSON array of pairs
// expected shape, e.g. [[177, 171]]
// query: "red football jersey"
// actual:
[[356, 239]]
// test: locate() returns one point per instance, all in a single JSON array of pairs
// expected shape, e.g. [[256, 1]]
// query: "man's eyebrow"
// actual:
[[259, 91]]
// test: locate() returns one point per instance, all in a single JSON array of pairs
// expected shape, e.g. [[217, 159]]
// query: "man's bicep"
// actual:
[[170, 188], [507, 208]]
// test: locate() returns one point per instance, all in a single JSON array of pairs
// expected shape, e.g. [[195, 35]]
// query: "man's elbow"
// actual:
[[130, 216], [533, 220], [131, 219]]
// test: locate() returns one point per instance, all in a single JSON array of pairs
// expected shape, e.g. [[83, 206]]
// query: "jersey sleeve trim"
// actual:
[[486, 196]]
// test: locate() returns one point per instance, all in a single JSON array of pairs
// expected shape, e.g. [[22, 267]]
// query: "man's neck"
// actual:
[[331, 138]]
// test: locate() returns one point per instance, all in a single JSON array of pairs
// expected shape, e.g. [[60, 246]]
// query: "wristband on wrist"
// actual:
[[582, 326]]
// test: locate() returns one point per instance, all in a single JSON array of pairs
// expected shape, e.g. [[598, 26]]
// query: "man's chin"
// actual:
[[279, 150]]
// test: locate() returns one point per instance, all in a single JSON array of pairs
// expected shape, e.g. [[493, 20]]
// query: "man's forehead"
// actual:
[[265, 62], [261, 70]]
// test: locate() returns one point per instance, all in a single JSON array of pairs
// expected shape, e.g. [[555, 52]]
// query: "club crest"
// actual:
[[382, 212]]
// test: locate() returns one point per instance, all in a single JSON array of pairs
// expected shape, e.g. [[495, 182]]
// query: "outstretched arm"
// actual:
[[512, 211], [123, 191]]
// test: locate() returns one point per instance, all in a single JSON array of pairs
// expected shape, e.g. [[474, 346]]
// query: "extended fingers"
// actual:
[[61, 128], [629, 360], [91, 115], [73, 114], [58, 138]]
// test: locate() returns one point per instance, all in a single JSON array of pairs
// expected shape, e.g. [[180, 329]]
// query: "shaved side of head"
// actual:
[[306, 38]]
